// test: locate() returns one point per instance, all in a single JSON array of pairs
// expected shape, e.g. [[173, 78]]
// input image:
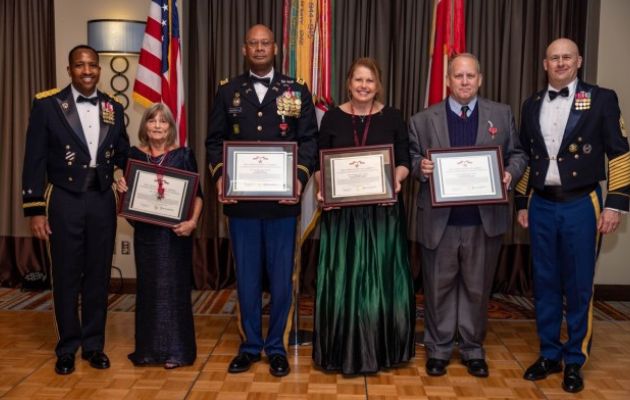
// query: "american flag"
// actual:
[[159, 77]]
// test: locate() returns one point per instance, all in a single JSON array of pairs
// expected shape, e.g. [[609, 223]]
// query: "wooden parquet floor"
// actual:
[[27, 340]]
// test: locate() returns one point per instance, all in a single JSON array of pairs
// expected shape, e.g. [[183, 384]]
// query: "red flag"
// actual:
[[448, 39], [159, 77]]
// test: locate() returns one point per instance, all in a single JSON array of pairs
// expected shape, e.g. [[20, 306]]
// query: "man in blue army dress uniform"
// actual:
[[75, 138], [569, 129], [262, 233]]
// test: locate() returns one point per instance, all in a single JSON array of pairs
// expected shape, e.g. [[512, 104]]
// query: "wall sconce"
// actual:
[[119, 38]]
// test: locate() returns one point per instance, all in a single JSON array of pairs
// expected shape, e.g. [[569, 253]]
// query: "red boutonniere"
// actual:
[[492, 130]]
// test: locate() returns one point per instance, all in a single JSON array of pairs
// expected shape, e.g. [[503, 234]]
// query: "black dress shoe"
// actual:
[[278, 365], [436, 367], [243, 362], [572, 381], [97, 359], [542, 368], [477, 367], [65, 364]]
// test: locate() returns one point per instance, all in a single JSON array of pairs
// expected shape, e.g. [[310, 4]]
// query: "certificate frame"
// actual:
[[140, 202], [245, 176], [336, 174], [486, 165]]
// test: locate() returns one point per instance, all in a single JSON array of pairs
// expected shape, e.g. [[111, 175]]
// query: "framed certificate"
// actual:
[[357, 175], [259, 170], [467, 176], [158, 195]]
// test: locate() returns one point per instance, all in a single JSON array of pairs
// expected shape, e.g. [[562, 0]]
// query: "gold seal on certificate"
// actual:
[[357, 175], [158, 195], [466, 176], [259, 170]]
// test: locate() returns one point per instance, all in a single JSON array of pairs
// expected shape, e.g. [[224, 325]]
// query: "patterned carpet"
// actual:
[[223, 302]]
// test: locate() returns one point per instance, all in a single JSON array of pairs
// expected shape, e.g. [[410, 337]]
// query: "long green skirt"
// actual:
[[365, 304]]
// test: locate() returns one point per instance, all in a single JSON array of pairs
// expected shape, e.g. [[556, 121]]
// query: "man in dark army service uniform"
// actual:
[[75, 138], [262, 233]]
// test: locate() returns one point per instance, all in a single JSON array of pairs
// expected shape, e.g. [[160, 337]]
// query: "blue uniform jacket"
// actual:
[[594, 131]]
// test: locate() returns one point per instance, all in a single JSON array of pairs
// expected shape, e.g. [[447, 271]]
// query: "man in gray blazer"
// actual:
[[460, 245]]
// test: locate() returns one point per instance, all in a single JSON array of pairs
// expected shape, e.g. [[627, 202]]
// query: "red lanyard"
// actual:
[[365, 129]]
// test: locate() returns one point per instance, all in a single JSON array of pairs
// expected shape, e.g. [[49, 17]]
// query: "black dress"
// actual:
[[365, 304], [165, 331]]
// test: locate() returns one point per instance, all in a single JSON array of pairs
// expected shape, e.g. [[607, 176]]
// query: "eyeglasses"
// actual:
[[564, 57], [255, 43]]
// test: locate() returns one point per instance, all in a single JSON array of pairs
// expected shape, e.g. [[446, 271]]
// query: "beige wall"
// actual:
[[71, 18], [612, 72]]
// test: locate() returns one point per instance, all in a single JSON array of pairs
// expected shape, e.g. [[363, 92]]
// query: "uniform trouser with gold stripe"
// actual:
[[83, 229], [564, 250], [263, 245]]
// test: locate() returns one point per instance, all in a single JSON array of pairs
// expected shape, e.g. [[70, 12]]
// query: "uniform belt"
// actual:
[[557, 194], [91, 180]]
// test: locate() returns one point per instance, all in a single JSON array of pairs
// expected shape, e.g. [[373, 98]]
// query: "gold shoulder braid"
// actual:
[[224, 81], [47, 93], [114, 97], [300, 81]]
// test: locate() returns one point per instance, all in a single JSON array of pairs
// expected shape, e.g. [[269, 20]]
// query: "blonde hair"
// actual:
[[372, 65], [151, 112]]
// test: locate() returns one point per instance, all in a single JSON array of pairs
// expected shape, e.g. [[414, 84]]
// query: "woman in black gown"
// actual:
[[165, 331]]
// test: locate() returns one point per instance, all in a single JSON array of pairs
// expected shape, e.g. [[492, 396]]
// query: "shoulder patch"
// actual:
[[622, 126], [224, 81], [114, 97], [300, 81], [47, 93]]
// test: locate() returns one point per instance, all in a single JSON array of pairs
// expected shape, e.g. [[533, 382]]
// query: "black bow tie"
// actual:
[[82, 99], [264, 81], [564, 92]]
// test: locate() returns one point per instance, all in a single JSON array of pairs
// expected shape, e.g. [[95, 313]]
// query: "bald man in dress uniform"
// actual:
[[573, 132], [262, 232]]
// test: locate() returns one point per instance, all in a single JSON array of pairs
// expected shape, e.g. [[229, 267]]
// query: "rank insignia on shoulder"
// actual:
[[622, 126], [300, 81], [114, 97], [224, 81], [47, 93]]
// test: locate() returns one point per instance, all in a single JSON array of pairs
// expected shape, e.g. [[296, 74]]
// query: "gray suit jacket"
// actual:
[[429, 129]]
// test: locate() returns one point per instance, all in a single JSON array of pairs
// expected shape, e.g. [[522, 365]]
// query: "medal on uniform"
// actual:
[[107, 112], [236, 100], [284, 127], [582, 100], [573, 148]]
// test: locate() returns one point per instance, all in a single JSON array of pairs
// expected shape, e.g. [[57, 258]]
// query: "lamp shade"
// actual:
[[116, 36]]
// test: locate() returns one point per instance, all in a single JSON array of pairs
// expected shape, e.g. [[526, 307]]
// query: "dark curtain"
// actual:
[[27, 49], [216, 31], [509, 37]]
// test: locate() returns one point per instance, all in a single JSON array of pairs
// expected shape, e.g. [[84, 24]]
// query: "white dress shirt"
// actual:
[[88, 114], [554, 115], [261, 90]]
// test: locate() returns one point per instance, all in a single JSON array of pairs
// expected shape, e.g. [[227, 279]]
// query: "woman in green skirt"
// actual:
[[365, 305]]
